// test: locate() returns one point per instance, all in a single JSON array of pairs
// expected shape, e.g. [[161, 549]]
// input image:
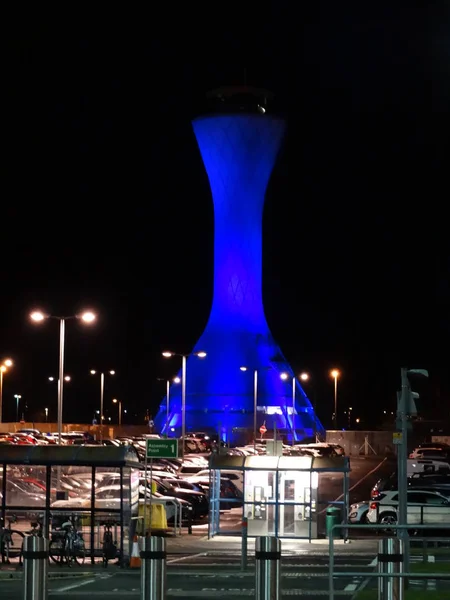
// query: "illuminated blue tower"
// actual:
[[239, 144]]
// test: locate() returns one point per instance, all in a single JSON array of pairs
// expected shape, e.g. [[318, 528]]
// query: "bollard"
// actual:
[[267, 568], [35, 561], [390, 560], [190, 520], [153, 571], [244, 541]]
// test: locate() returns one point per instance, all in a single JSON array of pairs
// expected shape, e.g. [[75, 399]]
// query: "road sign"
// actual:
[[262, 429], [162, 448], [397, 438]]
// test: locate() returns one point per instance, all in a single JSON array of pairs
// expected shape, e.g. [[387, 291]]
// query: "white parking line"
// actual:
[[175, 560], [74, 586]]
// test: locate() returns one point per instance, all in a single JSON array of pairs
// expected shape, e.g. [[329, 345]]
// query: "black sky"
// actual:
[[106, 205]]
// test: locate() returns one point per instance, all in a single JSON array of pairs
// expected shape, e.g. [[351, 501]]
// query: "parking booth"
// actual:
[[96, 487], [284, 496]]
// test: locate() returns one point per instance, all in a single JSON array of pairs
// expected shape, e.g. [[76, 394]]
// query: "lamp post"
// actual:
[[335, 374], [17, 397], [175, 380], [255, 402], [119, 402], [183, 389], [102, 393], [38, 317], [3, 368], [285, 377], [46, 414]]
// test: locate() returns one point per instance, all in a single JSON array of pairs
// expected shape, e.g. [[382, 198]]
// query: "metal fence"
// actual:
[[402, 574]]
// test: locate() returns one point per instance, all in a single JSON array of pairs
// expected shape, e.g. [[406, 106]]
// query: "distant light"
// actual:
[[115, 400], [243, 368], [172, 429], [88, 317], [201, 354], [93, 372], [67, 378], [304, 376], [335, 373], [3, 368], [167, 354], [176, 380], [37, 316], [112, 372], [51, 379], [284, 376], [8, 362]]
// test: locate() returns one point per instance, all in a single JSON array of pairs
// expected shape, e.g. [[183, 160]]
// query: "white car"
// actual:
[[424, 507], [358, 512]]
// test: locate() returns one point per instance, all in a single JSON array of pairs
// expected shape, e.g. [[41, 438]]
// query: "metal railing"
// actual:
[[404, 574]]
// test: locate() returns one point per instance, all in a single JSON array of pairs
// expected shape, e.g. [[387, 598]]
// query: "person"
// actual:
[[151, 425]]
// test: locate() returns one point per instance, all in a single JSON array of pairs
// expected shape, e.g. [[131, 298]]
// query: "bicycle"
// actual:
[[11, 541], [67, 545], [36, 529], [109, 548]]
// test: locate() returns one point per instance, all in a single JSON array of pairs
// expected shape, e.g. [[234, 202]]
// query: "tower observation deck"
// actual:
[[239, 141]]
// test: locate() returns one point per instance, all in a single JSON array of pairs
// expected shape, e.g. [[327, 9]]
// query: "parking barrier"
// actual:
[[267, 568], [35, 565]]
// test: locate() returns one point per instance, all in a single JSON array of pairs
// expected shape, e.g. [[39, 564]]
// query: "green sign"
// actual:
[[162, 448]]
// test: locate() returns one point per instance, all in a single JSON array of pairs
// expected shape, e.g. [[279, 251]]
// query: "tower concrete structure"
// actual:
[[239, 143]]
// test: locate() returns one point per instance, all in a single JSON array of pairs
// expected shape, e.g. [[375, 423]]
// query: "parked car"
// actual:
[[423, 507]]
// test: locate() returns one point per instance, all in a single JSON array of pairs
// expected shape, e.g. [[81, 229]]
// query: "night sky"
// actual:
[[106, 204]]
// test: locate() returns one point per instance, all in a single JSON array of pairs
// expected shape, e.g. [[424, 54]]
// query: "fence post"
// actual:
[[390, 560], [153, 570], [244, 542], [35, 561], [267, 568]]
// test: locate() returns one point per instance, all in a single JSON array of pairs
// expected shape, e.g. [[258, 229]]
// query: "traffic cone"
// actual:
[[135, 560]]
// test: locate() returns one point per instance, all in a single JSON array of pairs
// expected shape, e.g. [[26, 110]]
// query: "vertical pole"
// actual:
[[102, 391], [35, 555], [402, 468], [1, 394], [267, 569], [120, 412], [62, 332], [255, 406], [145, 488], [153, 572], [183, 404], [151, 496], [390, 558], [17, 408], [244, 543], [167, 406], [335, 404], [293, 411]]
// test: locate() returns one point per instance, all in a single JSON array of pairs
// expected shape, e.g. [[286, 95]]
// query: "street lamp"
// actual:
[[3, 368], [285, 377], [119, 402], [175, 380], [255, 402], [46, 414], [87, 317], [102, 392], [17, 397], [183, 389], [335, 374]]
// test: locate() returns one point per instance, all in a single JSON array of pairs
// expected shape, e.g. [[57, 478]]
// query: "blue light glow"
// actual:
[[239, 152]]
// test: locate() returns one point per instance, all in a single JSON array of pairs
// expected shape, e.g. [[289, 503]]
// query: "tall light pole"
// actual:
[[255, 402], [335, 374], [119, 402], [17, 397], [102, 394], [183, 389], [175, 380], [38, 316], [3, 368], [285, 377]]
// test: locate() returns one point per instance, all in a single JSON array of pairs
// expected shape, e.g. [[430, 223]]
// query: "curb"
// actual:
[[18, 575]]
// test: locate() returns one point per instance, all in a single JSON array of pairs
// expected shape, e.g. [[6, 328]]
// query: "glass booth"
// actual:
[[282, 495], [95, 486]]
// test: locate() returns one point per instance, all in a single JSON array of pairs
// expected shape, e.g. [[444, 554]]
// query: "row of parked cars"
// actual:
[[428, 494]]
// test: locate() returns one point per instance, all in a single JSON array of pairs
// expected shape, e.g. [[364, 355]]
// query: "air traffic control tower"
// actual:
[[239, 142]]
